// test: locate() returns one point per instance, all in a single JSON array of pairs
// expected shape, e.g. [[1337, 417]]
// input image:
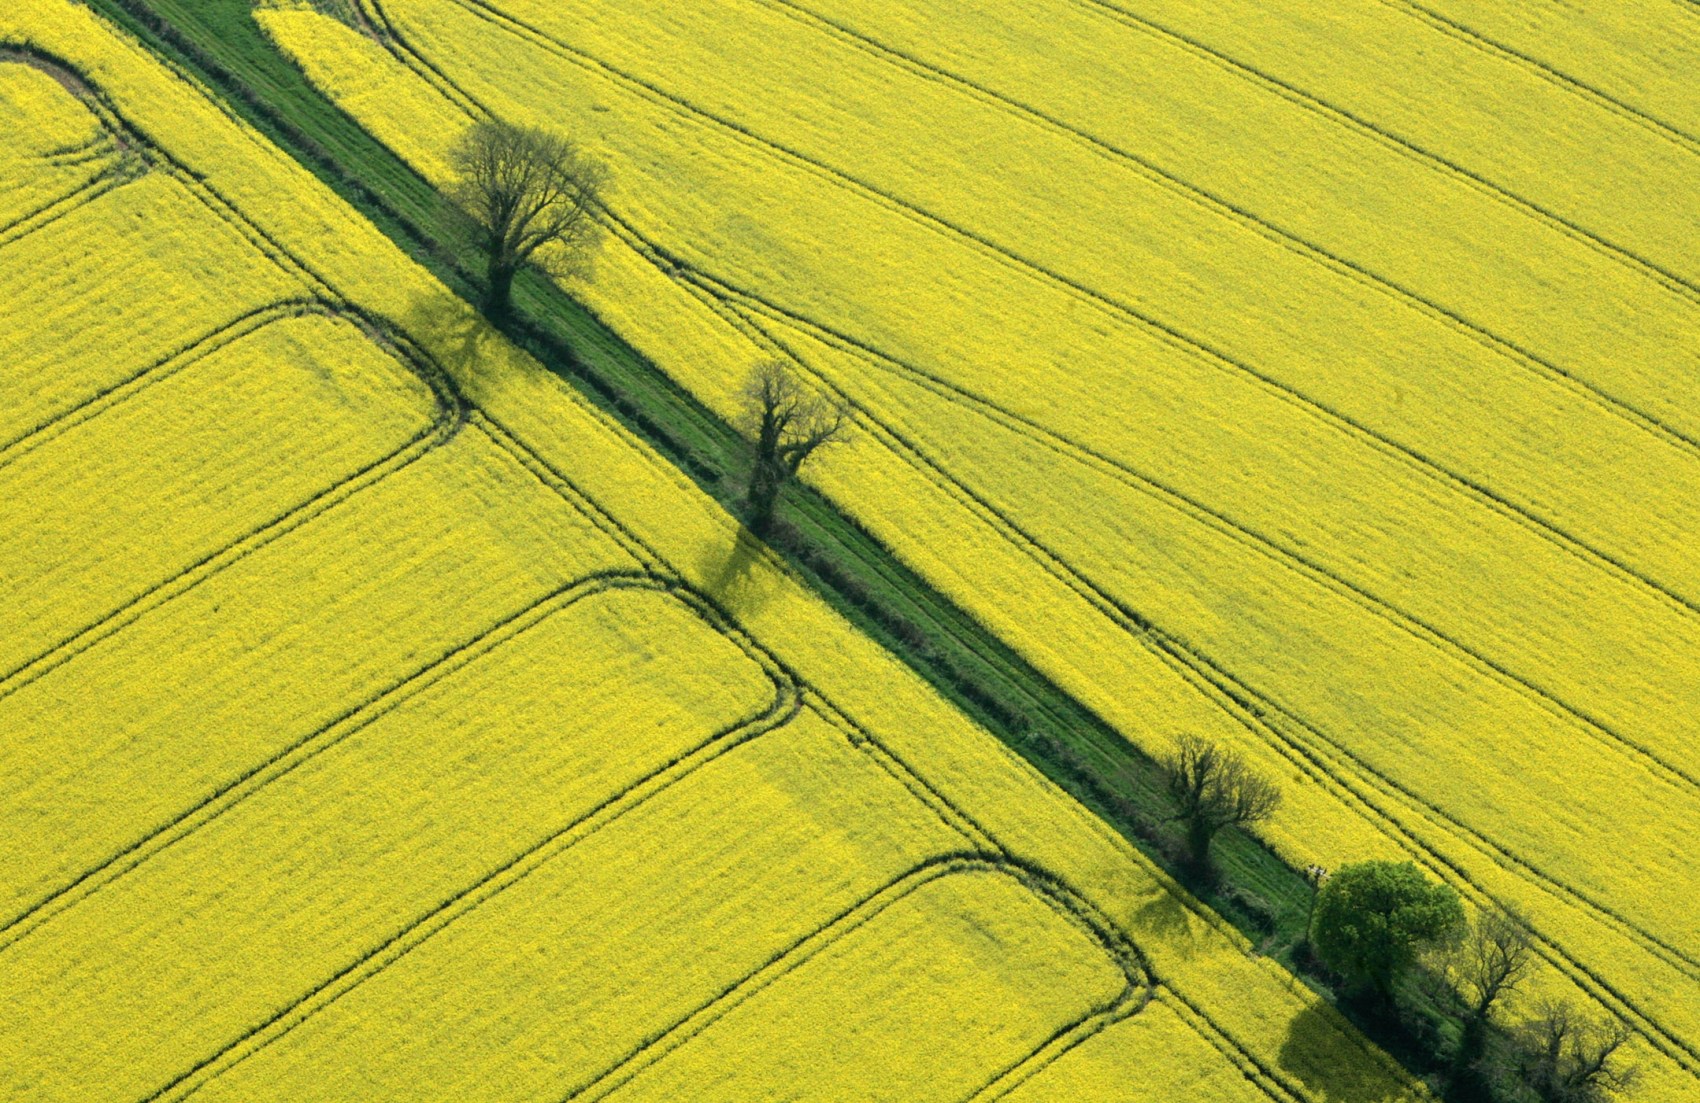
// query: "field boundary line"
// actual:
[[443, 422], [1365, 436], [396, 43], [1195, 670], [129, 138], [1463, 32], [349, 721], [435, 379], [1202, 513], [214, 563], [556, 480], [82, 153], [1537, 365], [1059, 1045], [1141, 988], [183, 358], [85, 195], [1238, 706], [784, 705], [111, 140], [676, 475], [928, 795], [1251, 1067], [1250, 708], [685, 274], [1633, 261], [661, 1044]]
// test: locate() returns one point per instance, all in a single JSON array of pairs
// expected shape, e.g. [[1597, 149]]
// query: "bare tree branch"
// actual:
[[1570, 1058], [533, 197], [1491, 961], [786, 424], [1214, 788]]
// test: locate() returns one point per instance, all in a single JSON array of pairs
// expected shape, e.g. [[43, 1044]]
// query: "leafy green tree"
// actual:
[[1373, 920]]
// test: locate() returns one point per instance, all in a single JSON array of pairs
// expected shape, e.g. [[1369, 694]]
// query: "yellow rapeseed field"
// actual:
[[59, 148], [1310, 376], [379, 718]]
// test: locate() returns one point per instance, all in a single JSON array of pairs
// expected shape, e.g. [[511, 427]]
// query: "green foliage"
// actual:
[[1373, 919]]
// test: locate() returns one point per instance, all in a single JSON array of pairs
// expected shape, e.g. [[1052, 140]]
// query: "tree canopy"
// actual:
[[786, 423], [532, 196], [1373, 919], [1214, 788]]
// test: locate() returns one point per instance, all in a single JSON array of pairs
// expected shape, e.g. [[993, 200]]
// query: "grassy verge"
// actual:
[[220, 43]]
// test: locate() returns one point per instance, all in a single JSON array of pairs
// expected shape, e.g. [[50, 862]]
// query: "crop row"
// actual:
[[288, 759]]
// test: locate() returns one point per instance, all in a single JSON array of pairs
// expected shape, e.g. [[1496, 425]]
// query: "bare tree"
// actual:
[[1214, 788], [786, 424], [1483, 967], [1567, 1057], [533, 196]]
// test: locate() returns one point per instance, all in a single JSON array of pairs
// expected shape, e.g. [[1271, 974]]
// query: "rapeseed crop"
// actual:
[[1300, 377], [588, 957], [478, 753], [56, 148], [329, 402]]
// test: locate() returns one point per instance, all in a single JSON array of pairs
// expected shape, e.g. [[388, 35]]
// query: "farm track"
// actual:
[[935, 472], [233, 793], [1468, 35], [58, 207], [1065, 903], [1251, 709], [1548, 371], [786, 702], [1341, 117], [161, 368], [1421, 464]]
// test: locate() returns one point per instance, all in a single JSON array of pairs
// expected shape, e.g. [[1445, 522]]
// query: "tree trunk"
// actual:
[[498, 290], [1199, 835], [1470, 1046], [763, 498]]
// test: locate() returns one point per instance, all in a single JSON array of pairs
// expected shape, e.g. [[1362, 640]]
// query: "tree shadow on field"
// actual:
[[1166, 916], [1321, 1051], [453, 334], [732, 575]]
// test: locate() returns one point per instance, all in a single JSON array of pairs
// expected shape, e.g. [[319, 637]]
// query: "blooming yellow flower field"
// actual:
[[378, 719], [1311, 376]]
